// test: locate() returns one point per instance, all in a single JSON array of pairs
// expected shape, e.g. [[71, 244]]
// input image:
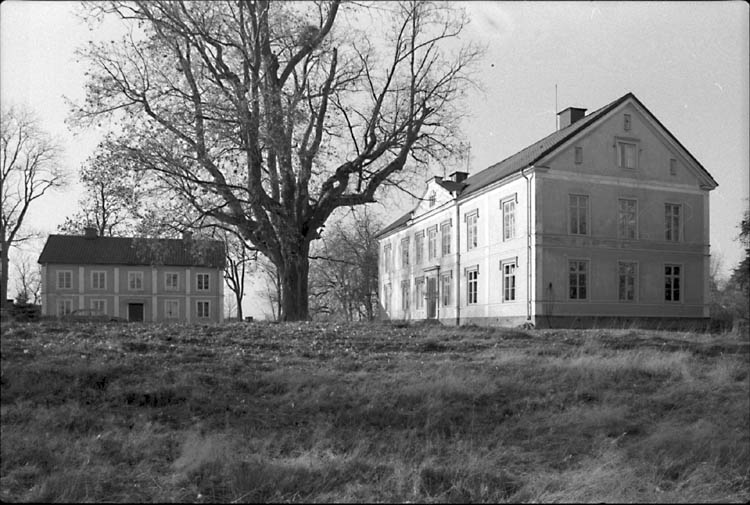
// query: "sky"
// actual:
[[686, 61]]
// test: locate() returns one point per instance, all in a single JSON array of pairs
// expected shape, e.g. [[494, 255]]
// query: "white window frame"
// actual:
[[445, 237], [198, 304], [404, 248], [508, 207], [419, 247], [138, 277], [620, 264], [94, 275], [472, 278], [472, 229], [62, 304], [174, 275], [669, 219], [620, 143], [207, 285], [432, 242], [405, 294], [419, 293], [578, 285], [69, 277], [587, 214], [509, 292], [169, 302], [93, 302], [621, 230], [681, 286]]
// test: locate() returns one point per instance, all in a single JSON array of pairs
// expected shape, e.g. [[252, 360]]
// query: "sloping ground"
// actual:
[[324, 412]]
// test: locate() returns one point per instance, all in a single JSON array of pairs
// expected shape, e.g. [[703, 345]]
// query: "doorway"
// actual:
[[432, 297], [135, 312]]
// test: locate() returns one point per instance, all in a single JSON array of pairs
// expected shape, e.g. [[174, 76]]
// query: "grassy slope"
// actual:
[[313, 412]]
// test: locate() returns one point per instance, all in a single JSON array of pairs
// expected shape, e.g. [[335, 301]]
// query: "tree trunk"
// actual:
[[293, 273], [239, 306], [4, 274]]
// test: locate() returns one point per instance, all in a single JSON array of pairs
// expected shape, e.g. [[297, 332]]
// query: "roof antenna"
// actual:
[[557, 118]]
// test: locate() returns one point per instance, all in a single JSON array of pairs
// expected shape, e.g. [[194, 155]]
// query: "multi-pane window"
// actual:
[[446, 288], [577, 278], [472, 285], [64, 307], [98, 280], [578, 206], [387, 257], [432, 243], [418, 247], [431, 199], [445, 237], [203, 309], [627, 125], [627, 273], [171, 309], [135, 281], [99, 306], [471, 230], [64, 279], [626, 154], [672, 222], [672, 283], [171, 281], [509, 281], [578, 155], [405, 295], [419, 293], [202, 282], [405, 252], [509, 219], [627, 219]]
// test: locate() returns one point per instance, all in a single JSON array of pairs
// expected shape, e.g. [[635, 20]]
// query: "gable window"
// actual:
[[578, 155], [418, 247], [171, 309], [626, 154], [432, 243], [135, 281], [202, 282], [627, 124], [627, 219], [578, 206], [64, 307], [431, 199], [405, 252], [509, 218], [509, 281], [471, 230], [672, 166], [405, 295], [672, 213], [419, 293], [203, 309], [171, 281], [627, 273], [472, 285], [386, 257], [446, 287], [672, 283], [98, 280], [64, 279], [99, 306], [577, 279], [445, 237]]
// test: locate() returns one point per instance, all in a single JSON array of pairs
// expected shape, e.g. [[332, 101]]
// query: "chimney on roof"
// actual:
[[459, 176], [570, 116], [187, 236], [89, 232]]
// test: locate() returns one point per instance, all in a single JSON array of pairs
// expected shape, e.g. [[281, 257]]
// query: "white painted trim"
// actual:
[[154, 309], [81, 280], [91, 278], [622, 182], [116, 311], [187, 281], [117, 284]]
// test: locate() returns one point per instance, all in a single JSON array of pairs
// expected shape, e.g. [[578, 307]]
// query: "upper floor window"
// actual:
[[509, 219], [472, 285], [202, 282], [627, 219], [578, 206], [578, 155], [627, 124], [471, 230], [627, 272], [672, 283], [432, 243], [445, 237], [509, 281], [672, 213], [135, 281], [577, 279], [387, 257], [418, 247], [627, 154], [98, 280], [64, 279], [405, 252], [171, 281]]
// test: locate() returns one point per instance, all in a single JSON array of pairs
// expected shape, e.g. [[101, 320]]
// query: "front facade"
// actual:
[[140, 280], [607, 218]]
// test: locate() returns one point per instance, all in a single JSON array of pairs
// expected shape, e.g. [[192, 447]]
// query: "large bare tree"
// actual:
[[28, 168], [268, 116]]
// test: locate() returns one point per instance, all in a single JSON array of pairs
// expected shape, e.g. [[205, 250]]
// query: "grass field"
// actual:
[[326, 413]]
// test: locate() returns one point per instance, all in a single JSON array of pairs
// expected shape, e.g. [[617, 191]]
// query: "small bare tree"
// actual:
[[28, 280]]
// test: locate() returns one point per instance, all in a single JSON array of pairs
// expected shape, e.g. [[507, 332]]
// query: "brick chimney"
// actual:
[[570, 116], [89, 232], [459, 176]]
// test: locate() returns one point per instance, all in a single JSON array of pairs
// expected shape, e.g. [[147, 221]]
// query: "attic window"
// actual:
[[627, 122], [672, 166], [579, 155], [431, 199]]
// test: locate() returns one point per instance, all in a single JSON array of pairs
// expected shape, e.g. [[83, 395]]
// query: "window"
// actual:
[[577, 279], [626, 124], [98, 280], [672, 166], [445, 236], [64, 279], [202, 282], [509, 281], [627, 273], [418, 247], [471, 230], [171, 281], [135, 281], [387, 257], [626, 155], [672, 222], [99, 305], [509, 219], [387, 297], [431, 199], [627, 219], [578, 155], [64, 307], [672, 283], [432, 243], [405, 295], [203, 310], [405, 252], [472, 285], [579, 207], [172, 309], [446, 288], [419, 293]]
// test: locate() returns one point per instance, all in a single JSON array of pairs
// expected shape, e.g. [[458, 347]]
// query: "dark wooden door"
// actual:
[[135, 312], [432, 297]]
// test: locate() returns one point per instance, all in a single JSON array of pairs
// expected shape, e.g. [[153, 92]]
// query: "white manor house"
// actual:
[[606, 219]]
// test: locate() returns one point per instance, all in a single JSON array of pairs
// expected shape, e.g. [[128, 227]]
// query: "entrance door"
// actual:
[[135, 312], [432, 297]]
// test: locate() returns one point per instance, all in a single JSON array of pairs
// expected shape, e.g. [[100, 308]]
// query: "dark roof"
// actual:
[[396, 224], [79, 250]]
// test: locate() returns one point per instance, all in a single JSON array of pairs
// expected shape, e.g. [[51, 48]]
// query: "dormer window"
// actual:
[[626, 124]]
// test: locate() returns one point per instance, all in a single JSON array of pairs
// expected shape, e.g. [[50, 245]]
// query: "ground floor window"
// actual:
[[509, 281], [419, 293], [446, 288], [404, 295], [64, 307], [672, 284], [203, 310], [472, 285], [172, 309], [99, 305], [626, 278], [577, 279]]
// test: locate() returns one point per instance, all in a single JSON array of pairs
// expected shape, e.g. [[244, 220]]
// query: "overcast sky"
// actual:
[[686, 61]]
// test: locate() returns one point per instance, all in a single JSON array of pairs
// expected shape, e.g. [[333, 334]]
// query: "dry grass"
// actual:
[[326, 413]]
